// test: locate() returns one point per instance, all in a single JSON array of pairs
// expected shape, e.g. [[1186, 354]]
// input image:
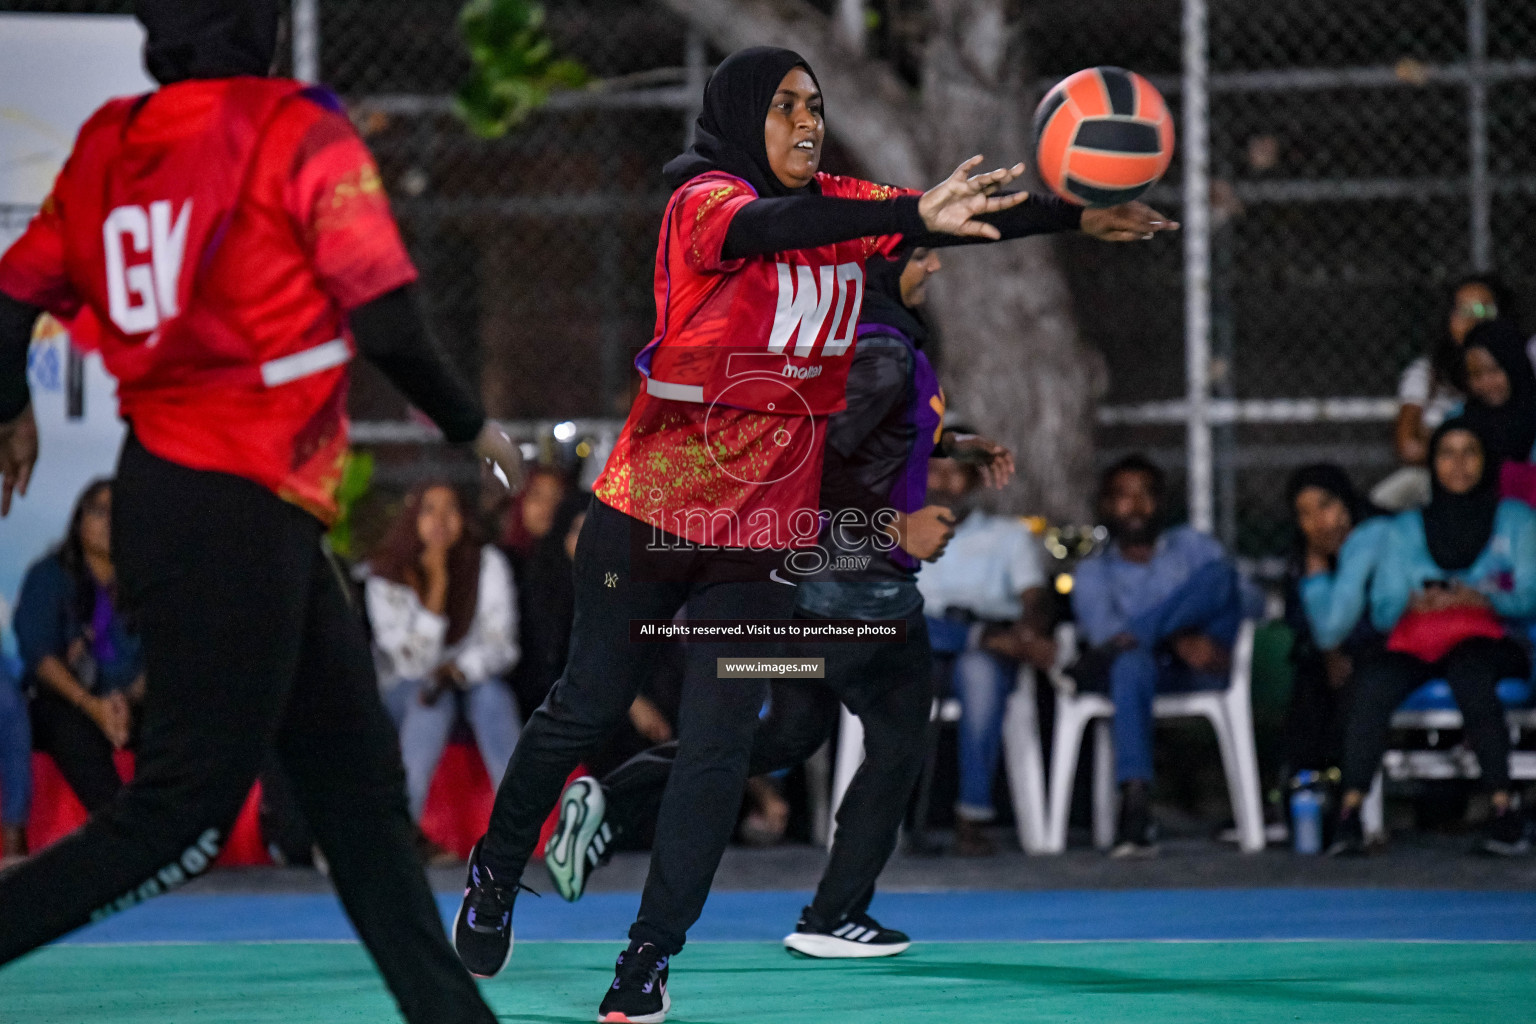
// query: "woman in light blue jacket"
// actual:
[[1466, 549]]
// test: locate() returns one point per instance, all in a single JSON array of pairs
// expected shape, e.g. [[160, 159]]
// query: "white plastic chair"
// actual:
[[1229, 711], [1021, 757]]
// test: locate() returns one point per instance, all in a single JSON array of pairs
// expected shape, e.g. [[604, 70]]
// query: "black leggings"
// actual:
[[890, 687], [77, 745], [1473, 669], [616, 581], [249, 644]]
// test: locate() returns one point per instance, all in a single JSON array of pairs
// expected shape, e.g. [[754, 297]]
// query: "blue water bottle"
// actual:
[[1306, 814]]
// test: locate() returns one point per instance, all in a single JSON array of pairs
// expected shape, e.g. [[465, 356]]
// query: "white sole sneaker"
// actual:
[[582, 809], [830, 947]]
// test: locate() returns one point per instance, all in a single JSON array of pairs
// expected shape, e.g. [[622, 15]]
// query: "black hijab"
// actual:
[[208, 38], [1509, 430], [882, 297], [547, 596], [1458, 527], [729, 134]]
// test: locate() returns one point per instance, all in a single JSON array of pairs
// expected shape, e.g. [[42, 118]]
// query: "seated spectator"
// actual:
[[547, 603], [1501, 391], [444, 619], [15, 767], [83, 666], [531, 513], [1325, 507], [1430, 387], [1440, 582], [1159, 610], [986, 604]]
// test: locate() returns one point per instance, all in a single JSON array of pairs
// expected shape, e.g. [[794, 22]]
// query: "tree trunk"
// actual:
[[1014, 366]]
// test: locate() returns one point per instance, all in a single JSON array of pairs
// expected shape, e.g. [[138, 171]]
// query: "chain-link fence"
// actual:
[[1363, 156]]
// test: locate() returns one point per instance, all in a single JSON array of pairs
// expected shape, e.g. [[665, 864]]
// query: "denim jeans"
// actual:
[[15, 752], [491, 712], [1209, 602], [981, 681]]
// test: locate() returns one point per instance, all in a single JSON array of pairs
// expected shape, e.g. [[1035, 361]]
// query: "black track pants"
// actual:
[[249, 645], [616, 582], [1473, 669], [889, 686]]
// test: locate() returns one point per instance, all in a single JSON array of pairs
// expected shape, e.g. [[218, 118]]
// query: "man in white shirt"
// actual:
[[988, 608]]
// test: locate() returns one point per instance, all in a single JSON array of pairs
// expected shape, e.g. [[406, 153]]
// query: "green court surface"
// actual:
[[1143, 982]]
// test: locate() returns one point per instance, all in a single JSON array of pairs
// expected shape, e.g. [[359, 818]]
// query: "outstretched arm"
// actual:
[[1045, 214], [956, 206]]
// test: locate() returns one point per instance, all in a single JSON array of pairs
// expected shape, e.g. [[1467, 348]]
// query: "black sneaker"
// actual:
[[582, 840], [482, 929], [1507, 834], [1349, 836], [857, 935], [1136, 834], [638, 994]]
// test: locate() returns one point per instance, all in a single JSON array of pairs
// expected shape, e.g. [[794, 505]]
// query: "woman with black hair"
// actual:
[[1501, 390], [1325, 508], [715, 480], [1442, 584], [83, 665], [547, 602], [1431, 386]]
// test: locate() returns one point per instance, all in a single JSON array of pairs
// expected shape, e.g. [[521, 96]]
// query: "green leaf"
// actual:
[[514, 66]]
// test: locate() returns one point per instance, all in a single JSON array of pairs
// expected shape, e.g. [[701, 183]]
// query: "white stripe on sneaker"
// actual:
[[844, 930]]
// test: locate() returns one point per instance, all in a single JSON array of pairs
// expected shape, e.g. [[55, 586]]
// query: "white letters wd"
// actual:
[[140, 297], [803, 309]]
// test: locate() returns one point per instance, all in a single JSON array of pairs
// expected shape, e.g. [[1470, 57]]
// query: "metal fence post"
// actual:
[[1477, 129], [1197, 264], [306, 40]]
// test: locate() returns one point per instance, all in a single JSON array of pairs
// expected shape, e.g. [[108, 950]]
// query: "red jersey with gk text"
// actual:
[[211, 237], [723, 446]]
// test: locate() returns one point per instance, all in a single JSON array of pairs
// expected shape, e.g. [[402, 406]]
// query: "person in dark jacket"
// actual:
[[83, 665]]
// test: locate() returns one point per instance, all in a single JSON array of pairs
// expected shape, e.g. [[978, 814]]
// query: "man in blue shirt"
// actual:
[[1159, 610]]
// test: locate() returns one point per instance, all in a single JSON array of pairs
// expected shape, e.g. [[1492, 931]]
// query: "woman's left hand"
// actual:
[[1128, 222]]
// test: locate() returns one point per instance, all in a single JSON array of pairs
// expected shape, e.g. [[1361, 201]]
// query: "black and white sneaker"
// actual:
[[1507, 834], [638, 994], [482, 929], [857, 935], [582, 840]]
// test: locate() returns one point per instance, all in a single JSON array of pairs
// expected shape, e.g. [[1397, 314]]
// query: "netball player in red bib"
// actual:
[[227, 243], [714, 481]]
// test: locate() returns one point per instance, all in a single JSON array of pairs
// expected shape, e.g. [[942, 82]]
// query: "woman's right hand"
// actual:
[[951, 206]]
